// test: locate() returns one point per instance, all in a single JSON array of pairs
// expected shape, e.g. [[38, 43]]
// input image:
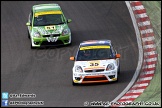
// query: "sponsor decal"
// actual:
[[93, 47], [43, 31], [50, 27], [47, 12], [93, 64], [52, 39]]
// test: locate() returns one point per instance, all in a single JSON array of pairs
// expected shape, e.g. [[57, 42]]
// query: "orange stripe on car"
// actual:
[[94, 79], [94, 68], [100, 81], [94, 76]]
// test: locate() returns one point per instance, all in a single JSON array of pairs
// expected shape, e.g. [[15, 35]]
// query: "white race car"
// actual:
[[95, 61]]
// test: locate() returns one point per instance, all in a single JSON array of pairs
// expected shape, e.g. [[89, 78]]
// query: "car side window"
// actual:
[[30, 16], [113, 51]]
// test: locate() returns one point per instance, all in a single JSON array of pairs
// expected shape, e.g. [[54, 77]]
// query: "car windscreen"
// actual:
[[48, 19], [94, 53]]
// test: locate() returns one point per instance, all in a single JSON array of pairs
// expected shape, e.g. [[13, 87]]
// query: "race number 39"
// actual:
[[93, 64]]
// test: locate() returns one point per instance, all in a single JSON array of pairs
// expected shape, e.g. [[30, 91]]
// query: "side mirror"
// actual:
[[72, 58], [69, 20], [28, 24], [117, 55]]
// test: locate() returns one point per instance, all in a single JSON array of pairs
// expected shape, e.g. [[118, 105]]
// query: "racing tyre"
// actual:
[[32, 47], [70, 44], [118, 74], [74, 84], [28, 34], [119, 70], [117, 80]]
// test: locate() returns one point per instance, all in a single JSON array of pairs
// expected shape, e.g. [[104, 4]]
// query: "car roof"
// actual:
[[95, 42], [46, 7]]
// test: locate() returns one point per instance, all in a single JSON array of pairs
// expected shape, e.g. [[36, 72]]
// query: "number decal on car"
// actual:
[[94, 64], [50, 27]]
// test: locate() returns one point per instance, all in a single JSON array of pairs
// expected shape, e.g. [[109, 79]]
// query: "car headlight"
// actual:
[[110, 67], [36, 34], [78, 69], [65, 31]]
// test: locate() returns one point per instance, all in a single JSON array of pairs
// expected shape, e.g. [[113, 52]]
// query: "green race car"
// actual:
[[47, 26]]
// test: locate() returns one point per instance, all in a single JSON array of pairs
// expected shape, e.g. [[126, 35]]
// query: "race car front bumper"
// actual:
[[95, 77], [41, 42]]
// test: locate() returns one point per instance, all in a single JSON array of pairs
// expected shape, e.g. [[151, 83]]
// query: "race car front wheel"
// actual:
[[32, 47], [119, 70], [74, 84]]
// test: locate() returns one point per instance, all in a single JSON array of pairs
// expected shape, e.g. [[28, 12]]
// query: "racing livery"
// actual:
[[95, 61], [47, 26]]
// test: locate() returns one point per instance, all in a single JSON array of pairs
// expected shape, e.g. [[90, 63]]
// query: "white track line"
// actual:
[[141, 7], [145, 23], [148, 38], [140, 85], [144, 79], [136, 91], [149, 46], [146, 31], [149, 53], [143, 15], [150, 59], [132, 96], [147, 72], [149, 66]]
